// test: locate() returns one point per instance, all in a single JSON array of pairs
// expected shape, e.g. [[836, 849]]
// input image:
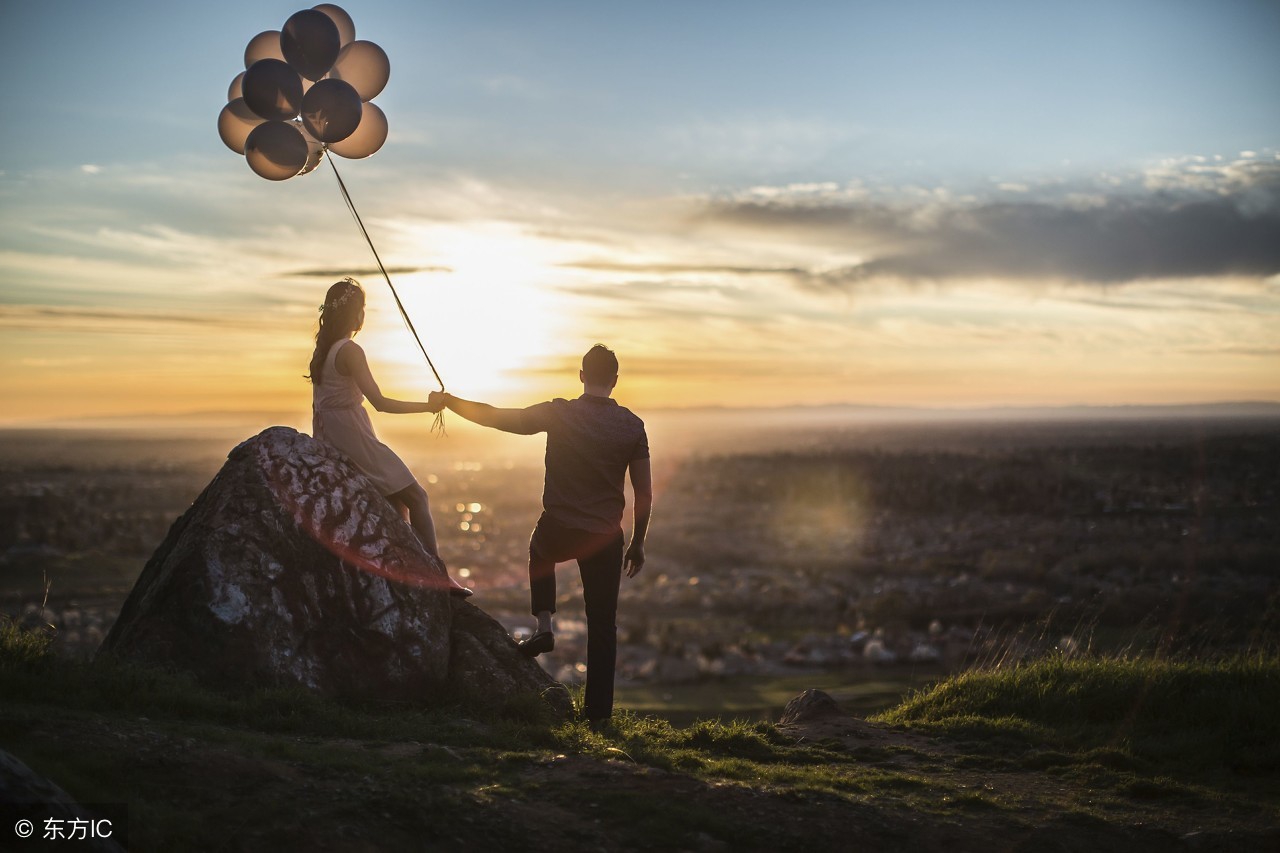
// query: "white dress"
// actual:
[[339, 419]]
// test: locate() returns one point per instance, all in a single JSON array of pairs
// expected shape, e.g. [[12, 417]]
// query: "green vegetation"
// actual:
[[1103, 745], [760, 698], [1188, 715], [22, 650]]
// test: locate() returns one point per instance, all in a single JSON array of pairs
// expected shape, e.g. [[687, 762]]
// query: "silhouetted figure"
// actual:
[[592, 442], [340, 381]]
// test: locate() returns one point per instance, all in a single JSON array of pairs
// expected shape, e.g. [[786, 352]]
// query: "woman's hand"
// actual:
[[435, 402]]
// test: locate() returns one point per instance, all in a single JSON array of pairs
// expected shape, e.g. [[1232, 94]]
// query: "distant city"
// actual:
[[837, 546]]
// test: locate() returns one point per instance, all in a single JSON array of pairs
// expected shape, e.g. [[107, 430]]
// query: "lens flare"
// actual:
[[341, 511]]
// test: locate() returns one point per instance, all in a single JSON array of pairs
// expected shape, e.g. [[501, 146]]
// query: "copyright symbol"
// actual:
[[24, 828]]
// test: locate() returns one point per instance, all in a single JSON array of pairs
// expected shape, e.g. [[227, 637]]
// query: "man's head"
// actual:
[[599, 367]]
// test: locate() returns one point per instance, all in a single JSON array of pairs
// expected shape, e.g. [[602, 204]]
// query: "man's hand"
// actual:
[[507, 420], [634, 560], [436, 401]]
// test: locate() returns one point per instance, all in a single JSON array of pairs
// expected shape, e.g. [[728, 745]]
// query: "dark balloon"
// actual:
[[310, 43], [276, 150], [365, 66], [368, 137], [235, 122], [331, 110], [346, 27], [272, 89], [236, 90]]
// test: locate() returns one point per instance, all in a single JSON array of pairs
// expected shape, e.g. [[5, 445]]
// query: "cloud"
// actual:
[[665, 303], [693, 367], [1220, 296], [1253, 352], [759, 143], [367, 272], [680, 269], [1182, 219], [54, 362], [120, 321]]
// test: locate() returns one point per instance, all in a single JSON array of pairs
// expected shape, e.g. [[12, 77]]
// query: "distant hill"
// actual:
[[815, 415], [844, 412]]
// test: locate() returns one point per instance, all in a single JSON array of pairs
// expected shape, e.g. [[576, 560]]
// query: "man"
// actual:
[[592, 443]]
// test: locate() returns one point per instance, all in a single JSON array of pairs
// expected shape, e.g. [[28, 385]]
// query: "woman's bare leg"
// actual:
[[418, 513], [417, 507]]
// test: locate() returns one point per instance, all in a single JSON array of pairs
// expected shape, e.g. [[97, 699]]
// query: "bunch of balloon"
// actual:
[[306, 87]]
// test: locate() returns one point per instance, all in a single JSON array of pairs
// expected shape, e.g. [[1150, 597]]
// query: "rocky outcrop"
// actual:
[[291, 569]]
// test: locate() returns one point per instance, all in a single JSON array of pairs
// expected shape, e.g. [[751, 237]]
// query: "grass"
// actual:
[[1135, 740], [764, 698], [21, 649], [1192, 715]]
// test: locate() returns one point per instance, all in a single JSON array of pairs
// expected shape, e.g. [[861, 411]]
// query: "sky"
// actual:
[[925, 204]]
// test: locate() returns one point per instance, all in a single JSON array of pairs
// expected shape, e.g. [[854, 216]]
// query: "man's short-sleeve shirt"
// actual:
[[591, 441]]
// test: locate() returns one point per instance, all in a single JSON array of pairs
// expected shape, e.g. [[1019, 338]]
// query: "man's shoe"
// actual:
[[460, 592], [541, 641]]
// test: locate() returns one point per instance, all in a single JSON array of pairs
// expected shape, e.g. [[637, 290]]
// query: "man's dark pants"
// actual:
[[599, 557]]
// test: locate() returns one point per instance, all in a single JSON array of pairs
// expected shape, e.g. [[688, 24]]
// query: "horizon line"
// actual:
[[1225, 408]]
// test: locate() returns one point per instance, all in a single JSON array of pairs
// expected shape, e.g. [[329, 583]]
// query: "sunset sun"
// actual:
[[484, 306]]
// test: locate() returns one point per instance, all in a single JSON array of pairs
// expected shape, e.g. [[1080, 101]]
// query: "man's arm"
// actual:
[[507, 420], [642, 486]]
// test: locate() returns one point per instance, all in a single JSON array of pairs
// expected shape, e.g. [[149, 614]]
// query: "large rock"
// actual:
[[291, 569]]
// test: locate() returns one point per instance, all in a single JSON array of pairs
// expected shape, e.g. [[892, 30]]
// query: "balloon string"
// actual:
[[438, 424]]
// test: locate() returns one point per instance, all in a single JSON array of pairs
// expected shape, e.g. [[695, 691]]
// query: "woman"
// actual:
[[340, 380]]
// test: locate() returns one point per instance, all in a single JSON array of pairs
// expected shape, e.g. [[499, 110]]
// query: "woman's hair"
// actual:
[[339, 317]]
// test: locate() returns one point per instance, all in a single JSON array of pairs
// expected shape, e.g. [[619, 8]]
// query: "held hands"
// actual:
[[633, 562], [436, 402]]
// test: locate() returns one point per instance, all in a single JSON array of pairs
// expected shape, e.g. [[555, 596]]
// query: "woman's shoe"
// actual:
[[541, 641]]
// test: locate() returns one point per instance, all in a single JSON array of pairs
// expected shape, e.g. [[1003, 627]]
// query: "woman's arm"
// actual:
[[351, 362]]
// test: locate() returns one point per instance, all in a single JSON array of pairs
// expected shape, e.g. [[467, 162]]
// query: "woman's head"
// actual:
[[341, 314], [343, 307]]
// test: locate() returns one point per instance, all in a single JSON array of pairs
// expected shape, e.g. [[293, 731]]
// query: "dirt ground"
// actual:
[[230, 789]]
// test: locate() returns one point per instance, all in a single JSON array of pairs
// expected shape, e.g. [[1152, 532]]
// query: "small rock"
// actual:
[[809, 705]]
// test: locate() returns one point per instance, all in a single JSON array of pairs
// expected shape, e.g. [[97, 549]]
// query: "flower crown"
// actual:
[[337, 303]]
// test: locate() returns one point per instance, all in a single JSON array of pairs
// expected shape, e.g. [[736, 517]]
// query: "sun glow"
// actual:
[[486, 311]]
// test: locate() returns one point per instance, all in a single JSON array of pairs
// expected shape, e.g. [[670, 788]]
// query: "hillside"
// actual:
[[1108, 754]]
